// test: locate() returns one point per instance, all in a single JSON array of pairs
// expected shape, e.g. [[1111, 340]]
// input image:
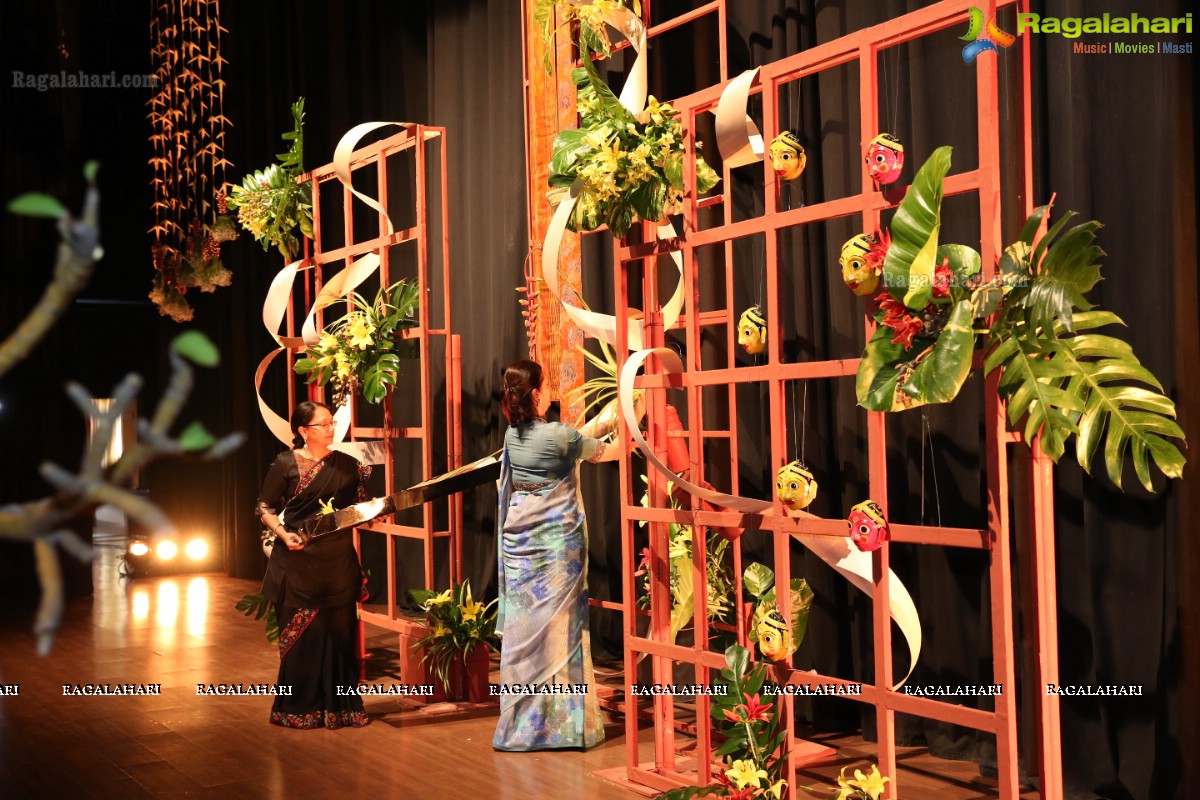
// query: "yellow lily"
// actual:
[[872, 784], [745, 773], [327, 506]]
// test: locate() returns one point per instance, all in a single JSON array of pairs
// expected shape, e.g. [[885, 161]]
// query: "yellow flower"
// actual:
[[846, 788], [471, 611], [776, 789], [360, 333], [343, 365], [326, 506], [437, 600], [872, 784], [745, 773], [439, 630]]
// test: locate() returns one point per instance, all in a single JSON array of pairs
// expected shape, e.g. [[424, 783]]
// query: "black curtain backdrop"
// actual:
[[1114, 138]]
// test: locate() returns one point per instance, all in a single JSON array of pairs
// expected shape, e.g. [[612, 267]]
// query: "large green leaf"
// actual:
[[569, 146], [1069, 269], [940, 374], [683, 600], [908, 268], [875, 383], [609, 102], [1065, 385], [802, 600], [965, 263], [758, 579], [37, 204]]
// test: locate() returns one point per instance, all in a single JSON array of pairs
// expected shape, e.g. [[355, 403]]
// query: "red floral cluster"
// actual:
[[942, 275], [903, 322], [873, 259]]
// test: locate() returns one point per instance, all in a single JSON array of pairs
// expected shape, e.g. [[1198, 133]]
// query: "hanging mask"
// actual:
[[885, 159], [868, 526], [752, 330], [787, 156], [860, 270], [794, 486], [774, 638]]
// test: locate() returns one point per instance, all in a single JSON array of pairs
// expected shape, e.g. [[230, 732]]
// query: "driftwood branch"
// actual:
[[43, 522]]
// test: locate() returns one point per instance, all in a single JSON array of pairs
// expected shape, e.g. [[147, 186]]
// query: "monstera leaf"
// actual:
[[909, 266], [1079, 384]]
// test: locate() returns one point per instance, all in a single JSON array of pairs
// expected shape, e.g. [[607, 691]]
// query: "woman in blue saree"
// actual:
[[543, 575]]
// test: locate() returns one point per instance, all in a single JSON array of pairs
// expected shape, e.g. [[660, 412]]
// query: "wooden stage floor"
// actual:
[[183, 630]]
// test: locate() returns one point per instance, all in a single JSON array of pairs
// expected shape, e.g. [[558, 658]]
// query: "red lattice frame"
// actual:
[[862, 47], [432, 272]]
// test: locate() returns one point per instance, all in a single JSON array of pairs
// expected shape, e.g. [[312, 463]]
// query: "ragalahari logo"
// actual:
[[981, 38]]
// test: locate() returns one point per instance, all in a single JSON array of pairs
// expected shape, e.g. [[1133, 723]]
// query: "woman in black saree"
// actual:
[[314, 587]]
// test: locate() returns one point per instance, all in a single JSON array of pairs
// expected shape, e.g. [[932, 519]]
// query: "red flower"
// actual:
[[875, 257], [742, 794], [756, 710], [644, 564], [902, 321], [942, 275]]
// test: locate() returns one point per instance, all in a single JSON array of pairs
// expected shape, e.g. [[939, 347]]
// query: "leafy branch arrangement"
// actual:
[[628, 167], [272, 203], [759, 581], [357, 352], [754, 734], [718, 583], [586, 18], [1058, 376], [457, 624], [44, 522]]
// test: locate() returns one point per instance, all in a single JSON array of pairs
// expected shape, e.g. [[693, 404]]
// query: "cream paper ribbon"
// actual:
[[738, 138], [853, 564], [339, 286], [633, 97]]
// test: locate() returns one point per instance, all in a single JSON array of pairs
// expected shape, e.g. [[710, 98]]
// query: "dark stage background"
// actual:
[[1114, 139]]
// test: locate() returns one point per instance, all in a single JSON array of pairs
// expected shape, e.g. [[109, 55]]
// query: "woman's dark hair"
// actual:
[[520, 379], [302, 414]]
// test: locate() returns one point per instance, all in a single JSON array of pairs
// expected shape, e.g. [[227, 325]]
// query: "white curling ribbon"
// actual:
[[853, 564], [593, 323], [738, 138], [339, 286]]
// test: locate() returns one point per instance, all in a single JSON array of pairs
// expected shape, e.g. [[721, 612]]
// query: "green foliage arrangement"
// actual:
[[360, 352], [759, 581], [753, 732], [718, 581], [628, 167], [1058, 377], [457, 624], [586, 18], [271, 203]]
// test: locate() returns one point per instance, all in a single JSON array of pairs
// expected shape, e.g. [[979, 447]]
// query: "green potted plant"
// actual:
[[461, 630]]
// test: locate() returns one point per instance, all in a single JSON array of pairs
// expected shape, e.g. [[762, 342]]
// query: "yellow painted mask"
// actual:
[[860, 272], [794, 486], [787, 156], [752, 330], [774, 638]]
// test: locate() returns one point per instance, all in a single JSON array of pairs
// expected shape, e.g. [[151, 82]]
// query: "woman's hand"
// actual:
[[292, 540]]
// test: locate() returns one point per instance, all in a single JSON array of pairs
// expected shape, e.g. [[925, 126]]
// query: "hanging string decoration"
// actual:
[[752, 330], [862, 260], [787, 156], [188, 163], [795, 486], [868, 526], [885, 159]]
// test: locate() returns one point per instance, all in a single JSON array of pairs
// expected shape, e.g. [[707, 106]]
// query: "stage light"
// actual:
[[166, 550], [138, 548], [196, 549]]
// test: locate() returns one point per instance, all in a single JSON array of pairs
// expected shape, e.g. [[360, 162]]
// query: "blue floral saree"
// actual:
[[548, 694]]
